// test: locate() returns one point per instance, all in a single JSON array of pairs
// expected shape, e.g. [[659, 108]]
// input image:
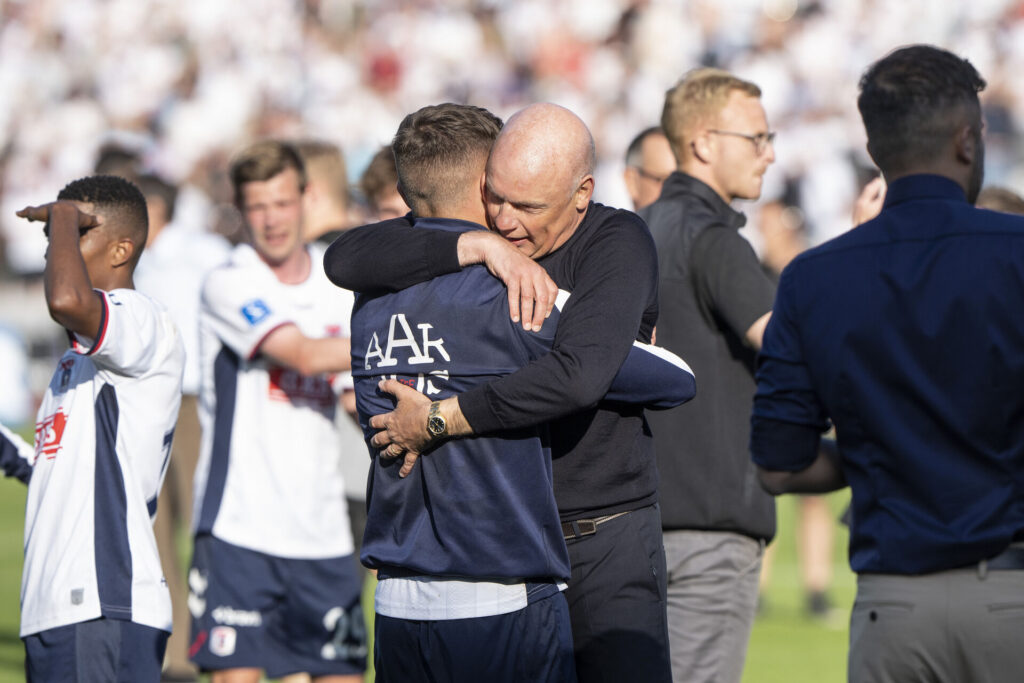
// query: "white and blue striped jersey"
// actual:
[[103, 437], [269, 476]]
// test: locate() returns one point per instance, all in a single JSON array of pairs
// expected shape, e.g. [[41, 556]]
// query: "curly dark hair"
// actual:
[[912, 99], [119, 201]]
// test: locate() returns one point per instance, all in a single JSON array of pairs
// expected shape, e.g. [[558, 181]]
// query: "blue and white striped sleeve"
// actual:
[[653, 377], [16, 455]]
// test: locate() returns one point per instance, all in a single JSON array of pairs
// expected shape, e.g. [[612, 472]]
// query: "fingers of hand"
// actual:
[[513, 301], [392, 451], [34, 213], [526, 306], [407, 465], [552, 295]]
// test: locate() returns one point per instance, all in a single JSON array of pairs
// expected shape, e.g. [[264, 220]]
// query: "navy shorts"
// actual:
[[532, 644], [281, 615], [97, 651]]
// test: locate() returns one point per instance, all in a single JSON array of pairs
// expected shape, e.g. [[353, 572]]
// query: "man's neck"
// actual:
[[703, 173], [473, 214], [295, 269]]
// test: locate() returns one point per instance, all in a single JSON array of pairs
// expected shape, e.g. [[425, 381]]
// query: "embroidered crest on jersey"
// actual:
[[49, 433], [65, 373], [222, 641], [255, 311]]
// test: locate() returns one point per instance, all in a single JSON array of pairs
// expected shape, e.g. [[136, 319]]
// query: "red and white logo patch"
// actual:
[[222, 641], [49, 433]]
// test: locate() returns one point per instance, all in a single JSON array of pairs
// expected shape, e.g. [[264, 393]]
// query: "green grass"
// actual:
[[12, 526], [786, 646]]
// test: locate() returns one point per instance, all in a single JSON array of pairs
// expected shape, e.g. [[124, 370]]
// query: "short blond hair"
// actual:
[[326, 165], [695, 101]]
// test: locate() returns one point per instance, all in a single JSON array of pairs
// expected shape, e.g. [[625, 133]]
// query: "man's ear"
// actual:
[[121, 252], [966, 144], [584, 191], [701, 147]]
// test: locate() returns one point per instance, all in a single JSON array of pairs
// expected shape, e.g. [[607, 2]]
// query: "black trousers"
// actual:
[[617, 598]]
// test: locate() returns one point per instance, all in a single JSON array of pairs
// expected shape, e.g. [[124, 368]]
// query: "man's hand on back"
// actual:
[[404, 430], [531, 292]]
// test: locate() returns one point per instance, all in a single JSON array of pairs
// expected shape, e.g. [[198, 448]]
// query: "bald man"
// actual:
[[538, 186], [649, 160]]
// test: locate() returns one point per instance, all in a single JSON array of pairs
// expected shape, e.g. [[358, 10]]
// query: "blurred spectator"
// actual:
[[16, 398], [380, 187], [325, 201], [782, 231], [649, 160], [1000, 199]]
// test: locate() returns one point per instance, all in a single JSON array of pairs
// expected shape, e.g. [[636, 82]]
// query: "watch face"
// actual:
[[436, 425]]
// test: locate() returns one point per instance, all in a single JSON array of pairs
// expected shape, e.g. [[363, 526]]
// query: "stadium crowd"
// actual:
[[175, 96]]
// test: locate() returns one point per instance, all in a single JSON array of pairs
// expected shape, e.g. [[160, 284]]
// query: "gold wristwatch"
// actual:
[[437, 426]]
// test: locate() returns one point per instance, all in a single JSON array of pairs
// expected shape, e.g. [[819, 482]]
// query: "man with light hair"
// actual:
[[714, 303], [325, 202], [379, 184], [273, 583]]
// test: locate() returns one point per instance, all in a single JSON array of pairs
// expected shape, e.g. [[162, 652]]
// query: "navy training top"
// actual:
[[907, 332], [481, 507]]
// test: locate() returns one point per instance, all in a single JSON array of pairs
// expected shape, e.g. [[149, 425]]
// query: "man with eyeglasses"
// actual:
[[649, 160], [714, 302]]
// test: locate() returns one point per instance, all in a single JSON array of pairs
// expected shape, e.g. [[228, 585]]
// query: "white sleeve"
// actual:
[[242, 308], [129, 336]]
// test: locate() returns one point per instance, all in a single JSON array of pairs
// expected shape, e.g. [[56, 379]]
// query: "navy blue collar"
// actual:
[[450, 224], [923, 186]]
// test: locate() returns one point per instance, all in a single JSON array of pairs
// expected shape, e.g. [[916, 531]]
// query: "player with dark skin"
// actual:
[[86, 251]]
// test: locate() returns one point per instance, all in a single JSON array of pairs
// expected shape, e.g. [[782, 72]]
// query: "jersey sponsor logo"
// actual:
[[50, 433], [401, 345], [229, 616], [401, 340], [288, 385], [223, 640], [255, 311]]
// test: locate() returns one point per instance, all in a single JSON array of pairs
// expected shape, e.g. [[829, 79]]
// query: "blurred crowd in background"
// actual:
[[182, 84]]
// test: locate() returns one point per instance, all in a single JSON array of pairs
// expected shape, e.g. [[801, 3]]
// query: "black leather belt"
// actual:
[[578, 528]]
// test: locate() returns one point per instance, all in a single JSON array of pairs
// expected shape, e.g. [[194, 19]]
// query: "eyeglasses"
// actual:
[[650, 176], [760, 140]]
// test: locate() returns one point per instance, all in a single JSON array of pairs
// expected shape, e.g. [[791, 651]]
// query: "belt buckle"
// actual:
[[579, 528]]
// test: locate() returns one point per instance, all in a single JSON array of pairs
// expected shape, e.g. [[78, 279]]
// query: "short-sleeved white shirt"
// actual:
[[269, 475], [103, 436]]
